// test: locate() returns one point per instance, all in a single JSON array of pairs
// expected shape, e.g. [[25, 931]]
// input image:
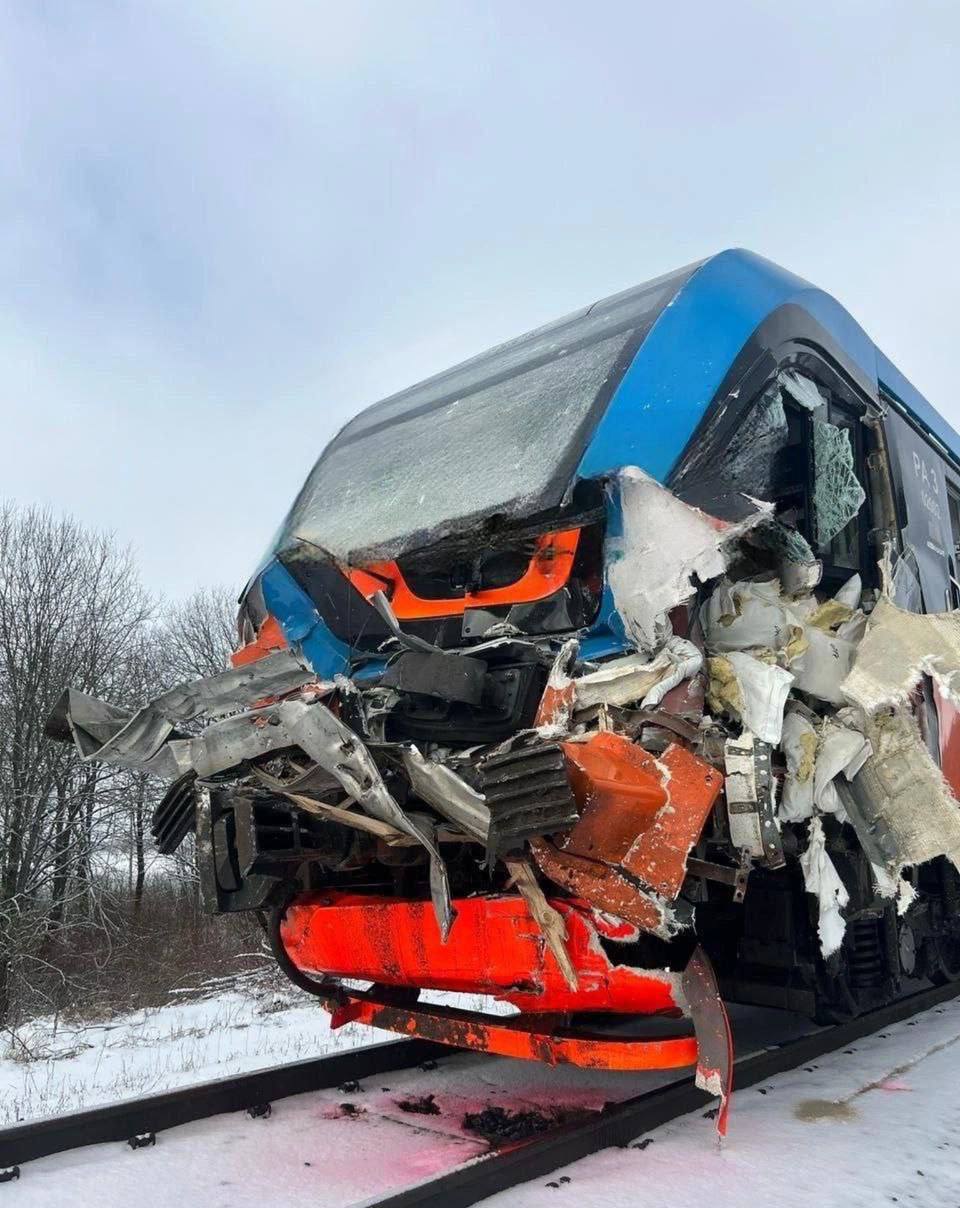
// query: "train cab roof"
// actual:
[[624, 381]]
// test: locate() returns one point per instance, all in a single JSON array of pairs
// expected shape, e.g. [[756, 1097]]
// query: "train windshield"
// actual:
[[499, 434]]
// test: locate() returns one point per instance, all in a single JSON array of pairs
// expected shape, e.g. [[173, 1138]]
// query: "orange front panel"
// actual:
[[549, 569]]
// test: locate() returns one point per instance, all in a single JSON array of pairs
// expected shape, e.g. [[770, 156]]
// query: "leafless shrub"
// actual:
[[82, 916]]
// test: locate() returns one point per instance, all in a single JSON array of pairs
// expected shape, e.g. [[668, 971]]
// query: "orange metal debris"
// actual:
[[639, 816], [602, 885], [494, 948], [524, 1037], [659, 855], [269, 639], [619, 788]]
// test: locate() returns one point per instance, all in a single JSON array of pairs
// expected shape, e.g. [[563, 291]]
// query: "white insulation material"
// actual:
[[667, 548], [897, 649], [764, 688], [822, 880], [842, 750], [799, 743]]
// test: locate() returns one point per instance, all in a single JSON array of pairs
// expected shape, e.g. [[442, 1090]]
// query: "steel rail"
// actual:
[[615, 1125], [154, 1113], [619, 1123]]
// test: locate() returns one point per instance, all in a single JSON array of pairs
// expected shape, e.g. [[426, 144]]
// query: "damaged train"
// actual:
[[613, 671]]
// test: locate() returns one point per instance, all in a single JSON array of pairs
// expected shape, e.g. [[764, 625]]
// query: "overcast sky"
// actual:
[[226, 227]]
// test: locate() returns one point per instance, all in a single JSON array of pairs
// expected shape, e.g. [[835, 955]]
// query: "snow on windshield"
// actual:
[[497, 449]]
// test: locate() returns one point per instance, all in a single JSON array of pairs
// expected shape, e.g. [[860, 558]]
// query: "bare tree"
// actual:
[[71, 609], [200, 633]]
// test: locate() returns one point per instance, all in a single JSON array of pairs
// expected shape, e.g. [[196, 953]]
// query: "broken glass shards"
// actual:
[[729, 465], [905, 584], [384, 487], [802, 390], [837, 493]]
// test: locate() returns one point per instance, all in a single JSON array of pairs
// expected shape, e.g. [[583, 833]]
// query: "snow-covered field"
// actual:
[[232, 1025], [228, 1026]]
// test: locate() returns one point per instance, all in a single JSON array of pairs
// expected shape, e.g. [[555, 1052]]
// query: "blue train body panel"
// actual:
[[663, 394]]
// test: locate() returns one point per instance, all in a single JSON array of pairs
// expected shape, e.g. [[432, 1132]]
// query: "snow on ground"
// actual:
[[323, 1149], [875, 1124], [233, 1025], [878, 1123]]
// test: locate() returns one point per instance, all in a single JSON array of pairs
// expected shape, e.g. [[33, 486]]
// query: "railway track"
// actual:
[[138, 1121], [253, 1092]]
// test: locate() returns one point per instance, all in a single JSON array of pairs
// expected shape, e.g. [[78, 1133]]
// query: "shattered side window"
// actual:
[[724, 467], [837, 494]]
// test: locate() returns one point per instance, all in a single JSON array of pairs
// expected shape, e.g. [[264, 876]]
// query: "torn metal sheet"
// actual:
[[559, 696], [712, 1028], [658, 855], [451, 796], [335, 747], [133, 739], [822, 880], [606, 888], [749, 793], [640, 819], [666, 549], [313, 728], [104, 733]]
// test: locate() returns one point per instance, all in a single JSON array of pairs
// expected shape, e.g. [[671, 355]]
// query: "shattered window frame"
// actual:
[[631, 314], [696, 479], [836, 567]]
